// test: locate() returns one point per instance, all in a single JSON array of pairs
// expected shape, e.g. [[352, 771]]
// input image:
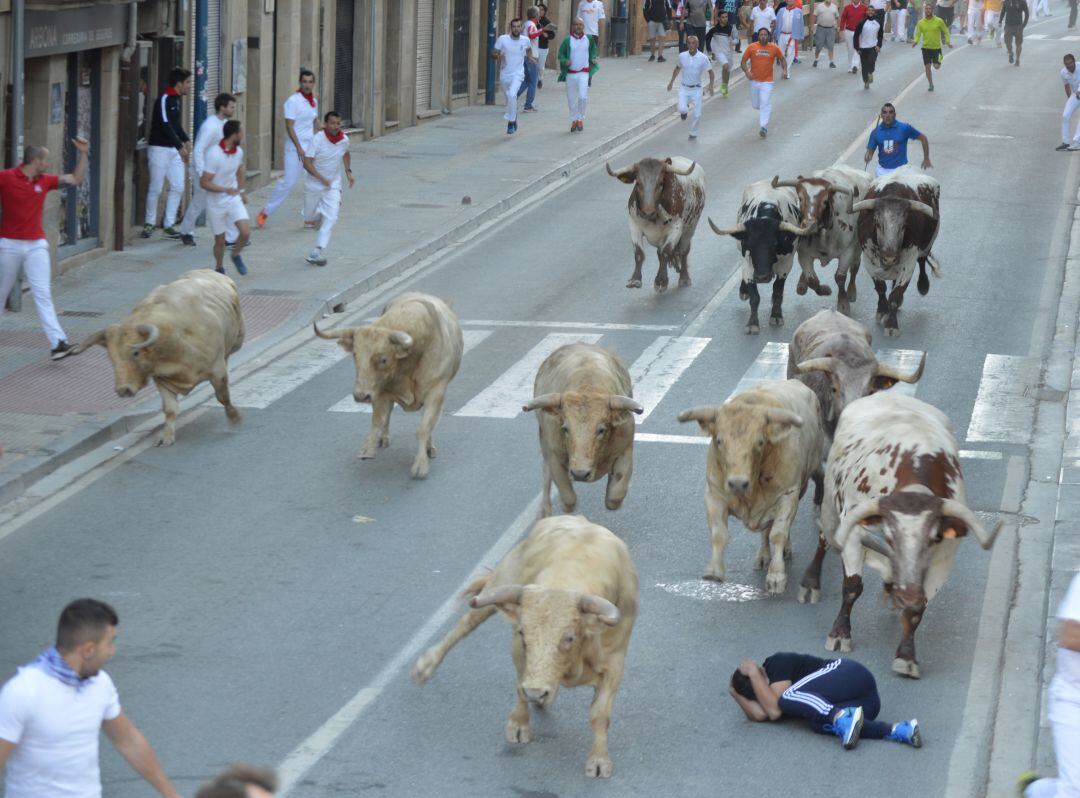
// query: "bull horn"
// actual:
[[921, 207], [778, 183], [777, 415], [864, 205], [150, 331], [788, 227], [893, 373], [617, 402], [547, 401], [816, 364], [341, 332], [681, 172], [739, 228], [599, 606], [876, 544], [507, 594], [402, 339], [92, 340], [621, 173], [703, 413], [857, 514], [955, 509]]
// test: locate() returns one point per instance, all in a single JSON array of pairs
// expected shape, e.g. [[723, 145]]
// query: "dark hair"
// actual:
[[178, 75], [1069, 55], [542, 5], [888, 105], [515, 19], [82, 620], [305, 72], [740, 683], [231, 128], [33, 152], [233, 782], [222, 100], [328, 114]]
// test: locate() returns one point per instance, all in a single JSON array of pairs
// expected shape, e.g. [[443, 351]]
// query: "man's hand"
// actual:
[[670, 84], [748, 667], [233, 192], [81, 144], [926, 163], [325, 182], [352, 182]]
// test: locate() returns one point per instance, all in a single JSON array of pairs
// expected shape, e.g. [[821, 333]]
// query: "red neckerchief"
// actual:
[[334, 139], [309, 97], [582, 36], [171, 91], [227, 150]]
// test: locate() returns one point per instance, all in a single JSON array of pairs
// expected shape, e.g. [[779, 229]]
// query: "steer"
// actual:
[[570, 592], [664, 209], [586, 431], [179, 336], [767, 443], [898, 222], [406, 356], [769, 222], [896, 501]]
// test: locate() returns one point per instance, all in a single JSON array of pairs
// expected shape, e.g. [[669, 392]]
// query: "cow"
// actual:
[[896, 501], [406, 356], [831, 192], [898, 222], [179, 336], [767, 443], [585, 399], [769, 222], [570, 592], [664, 209]]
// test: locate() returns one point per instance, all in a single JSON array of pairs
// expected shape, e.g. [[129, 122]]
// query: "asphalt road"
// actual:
[[266, 578]]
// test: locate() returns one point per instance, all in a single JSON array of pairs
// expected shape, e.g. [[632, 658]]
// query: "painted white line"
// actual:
[[979, 454], [770, 364], [987, 136], [694, 327], [504, 397], [306, 755], [906, 359], [1004, 410], [1034, 36], [659, 366], [350, 405], [1070, 38], [1020, 109], [703, 590], [569, 325], [271, 383], [654, 437]]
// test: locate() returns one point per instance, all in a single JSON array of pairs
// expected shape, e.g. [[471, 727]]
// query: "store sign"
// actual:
[[72, 30]]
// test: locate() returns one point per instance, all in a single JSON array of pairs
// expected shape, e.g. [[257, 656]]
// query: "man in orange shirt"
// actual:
[[761, 56]]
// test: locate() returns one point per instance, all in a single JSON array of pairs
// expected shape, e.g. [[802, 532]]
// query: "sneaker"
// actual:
[[723, 90], [692, 137], [509, 128], [573, 127], [1062, 146], [661, 59], [1010, 58], [61, 350], [316, 257], [866, 84], [832, 65], [847, 726], [147, 231], [652, 58], [796, 61], [539, 84], [683, 117], [171, 232], [515, 127], [854, 70], [238, 262], [219, 270], [815, 63], [529, 109], [581, 126], [763, 132], [930, 87], [260, 220], [1074, 147], [187, 240], [1024, 781], [907, 732], [310, 225]]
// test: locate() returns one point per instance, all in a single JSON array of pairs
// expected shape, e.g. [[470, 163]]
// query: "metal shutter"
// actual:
[[343, 60], [425, 44]]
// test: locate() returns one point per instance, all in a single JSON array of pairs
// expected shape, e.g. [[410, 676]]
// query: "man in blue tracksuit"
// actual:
[[889, 140]]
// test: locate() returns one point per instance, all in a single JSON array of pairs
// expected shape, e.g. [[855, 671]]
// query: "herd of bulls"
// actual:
[[888, 487]]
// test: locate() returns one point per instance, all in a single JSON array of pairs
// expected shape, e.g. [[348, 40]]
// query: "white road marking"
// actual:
[[269, 384], [987, 136], [653, 437], [979, 454], [770, 364], [1032, 36], [504, 397], [659, 366], [350, 405], [704, 590], [1019, 109], [1070, 38], [306, 755], [570, 325], [906, 359], [1004, 410]]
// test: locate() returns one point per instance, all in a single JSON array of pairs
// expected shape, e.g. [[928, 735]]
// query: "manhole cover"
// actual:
[[704, 590]]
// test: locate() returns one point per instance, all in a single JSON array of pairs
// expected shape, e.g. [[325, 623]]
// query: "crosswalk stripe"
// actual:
[[1004, 409], [1031, 36], [268, 385], [771, 364], [906, 359], [349, 405], [659, 366]]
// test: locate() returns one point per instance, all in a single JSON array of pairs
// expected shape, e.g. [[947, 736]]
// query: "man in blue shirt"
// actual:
[[890, 140]]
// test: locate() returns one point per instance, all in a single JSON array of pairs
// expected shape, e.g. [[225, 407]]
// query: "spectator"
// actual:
[[732, 9], [946, 9], [680, 23], [826, 18], [168, 152], [657, 14], [744, 21], [762, 16], [532, 32], [915, 12], [697, 19], [789, 30], [548, 28], [241, 781]]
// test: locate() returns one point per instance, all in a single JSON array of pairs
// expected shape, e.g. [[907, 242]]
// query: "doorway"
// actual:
[[80, 205]]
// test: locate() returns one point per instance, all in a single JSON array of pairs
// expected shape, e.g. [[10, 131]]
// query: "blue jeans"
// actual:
[[529, 83], [911, 23]]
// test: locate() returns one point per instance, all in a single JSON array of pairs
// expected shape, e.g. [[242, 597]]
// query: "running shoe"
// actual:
[[815, 63], [1062, 146], [147, 231], [907, 732], [832, 65], [61, 350], [661, 60], [260, 220], [509, 128], [1074, 147], [187, 240], [1010, 58], [310, 225], [930, 87], [683, 117], [763, 132], [529, 109], [723, 90], [652, 58], [171, 232], [219, 270], [847, 725], [316, 257], [581, 126], [238, 262], [1024, 781]]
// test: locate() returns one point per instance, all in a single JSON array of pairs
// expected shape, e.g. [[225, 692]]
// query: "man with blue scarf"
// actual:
[[53, 710]]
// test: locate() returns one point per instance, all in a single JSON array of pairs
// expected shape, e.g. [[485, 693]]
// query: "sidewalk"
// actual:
[[417, 191]]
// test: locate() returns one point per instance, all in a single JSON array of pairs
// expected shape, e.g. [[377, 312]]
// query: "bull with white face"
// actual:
[[181, 335], [664, 209], [407, 357], [570, 592], [584, 400], [895, 500]]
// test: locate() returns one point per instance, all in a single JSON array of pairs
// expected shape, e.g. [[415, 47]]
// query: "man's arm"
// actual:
[[5, 751], [290, 130], [1068, 91], [347, 160], [131, 744], [712, 81], [1024, 6], [764, 694], [925, 151], [1068, 638], [76, 177], [202, 142], [783, 65], [674, 75], [206, 180], [309, 166], [752, 709]]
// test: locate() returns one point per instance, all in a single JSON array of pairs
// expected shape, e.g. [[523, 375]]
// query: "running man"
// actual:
[[762, 16], [532, 32], [992, 19], [761, 55], [850, 17], [223, 178], [930, 29], [301, 117], [826, 18], [577, 63], [869, 36], [1071, 78], [692, 64], [976, 9], [168, 151], [322, 184], [511, 50], [889, 139], [1014, 18], [210, 133], [720, 41], [837, 696]]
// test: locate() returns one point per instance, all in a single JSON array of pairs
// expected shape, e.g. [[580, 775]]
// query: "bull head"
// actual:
[[647, 177], [125, 343], [377, 352], [850, 381], [891, 222]]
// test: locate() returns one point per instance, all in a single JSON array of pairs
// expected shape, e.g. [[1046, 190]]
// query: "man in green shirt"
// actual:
[[930, 29]]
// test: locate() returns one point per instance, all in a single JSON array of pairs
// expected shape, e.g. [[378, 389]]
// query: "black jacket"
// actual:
[[1014, 12], [880, 32], [545, 35], [166, 128], [656, 10]]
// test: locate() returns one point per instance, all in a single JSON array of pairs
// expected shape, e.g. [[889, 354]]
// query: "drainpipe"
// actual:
[[18, 81], [493, 24], [128, 97], [373, 85], [202, 49]]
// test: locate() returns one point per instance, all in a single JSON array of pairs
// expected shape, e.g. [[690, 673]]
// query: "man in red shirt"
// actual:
[[22, 238], [850, 17]]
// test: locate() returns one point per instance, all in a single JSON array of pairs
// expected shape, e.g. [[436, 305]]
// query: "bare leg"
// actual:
[[379, 437], [170, 406], [717, 513], [219, 252], [425, 666], [599, 765]]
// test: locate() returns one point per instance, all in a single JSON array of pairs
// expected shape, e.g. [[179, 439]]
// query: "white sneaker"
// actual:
[[1074, 147], [316, 257]]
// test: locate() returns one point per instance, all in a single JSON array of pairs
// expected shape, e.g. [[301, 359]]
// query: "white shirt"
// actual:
[[56, 730], [761, 18], [534, 43], [513, 51], [692, 67], [591, 12], [303, 114], [878, 4], [210, 133], [1065, 687], [328, 157], [1071, 79], [223, 166], [579, 54], [870, 30], [825, 16]]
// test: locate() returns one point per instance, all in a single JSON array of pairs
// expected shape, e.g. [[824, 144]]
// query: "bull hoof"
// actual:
[[714, 574], [367, 453], [776, 583], [776, 321], [684, 282], [432, 451], [233, 415], [812, 593], [823, 290], [881, 317], [613, 505], [787, 552], [800, 289], [892, 332], [598, 767], [425, 667], [923, 285], [837, 643], [660, 287], [568, 506], [752, 329], [906, 667], [518, 732], [420, 468], [384, 441], [634, 283], [166, 439]]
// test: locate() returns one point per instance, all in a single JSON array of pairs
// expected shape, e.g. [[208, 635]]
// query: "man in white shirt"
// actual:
[[511, 49], [692, 64], [826, 19], [1071, 78], [591, 12], [322, 186], [224, 177], [577, 61], [762, 16], [1063, 706], [53, 711], [208, 136], [301, 119]]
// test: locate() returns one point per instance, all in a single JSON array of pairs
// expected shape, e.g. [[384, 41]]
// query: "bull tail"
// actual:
[[476, 586]]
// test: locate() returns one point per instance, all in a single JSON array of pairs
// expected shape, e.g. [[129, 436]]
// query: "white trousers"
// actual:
[[787, 46], [325, 202], [849, 37], [761, 99], [165, 164], [1067, 754], [990, 20], [1041, 6], [540, 62], [1071, 105], [510, 85], [196, 206], [33, 258], [975, 21], [691, 97], [898, 23], [577, 94], [293, 169]]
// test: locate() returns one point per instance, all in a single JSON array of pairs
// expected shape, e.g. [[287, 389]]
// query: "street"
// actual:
[[274, 590]]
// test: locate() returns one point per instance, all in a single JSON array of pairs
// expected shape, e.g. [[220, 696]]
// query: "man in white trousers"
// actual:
[[22, 237], [511, 50], [208, 136], [757, 65], [223, 179], [692, 64], [975, 30], [329, 150], [168, 151], [850, 17], [301, 119], [1042, 7], [1071, 78], [577, 63]]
